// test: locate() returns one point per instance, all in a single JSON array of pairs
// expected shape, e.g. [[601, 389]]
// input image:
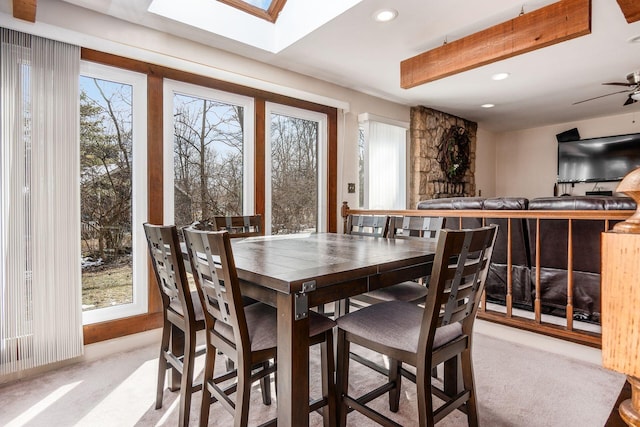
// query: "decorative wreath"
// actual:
[[453, 153]]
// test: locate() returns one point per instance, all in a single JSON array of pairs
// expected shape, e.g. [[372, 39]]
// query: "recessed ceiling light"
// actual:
[[488, 105], [385, 15], [634, 39], [500, 76]]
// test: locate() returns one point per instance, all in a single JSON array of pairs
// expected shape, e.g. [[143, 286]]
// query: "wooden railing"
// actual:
[[507, 315]]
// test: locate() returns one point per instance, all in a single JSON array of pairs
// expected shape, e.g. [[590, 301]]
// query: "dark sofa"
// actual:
[[553, 250]]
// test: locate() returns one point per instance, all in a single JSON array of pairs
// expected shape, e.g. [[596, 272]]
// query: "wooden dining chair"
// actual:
[[182, 317], [403, 228], [240, 225], [367, 225], [245, 334], [423, 338]]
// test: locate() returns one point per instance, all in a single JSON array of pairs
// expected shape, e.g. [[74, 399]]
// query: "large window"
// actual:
[[210, 135], [383, 156], [296, 185], [113, 192]]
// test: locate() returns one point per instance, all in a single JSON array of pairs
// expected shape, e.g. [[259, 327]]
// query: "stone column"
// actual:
[[428, 180]]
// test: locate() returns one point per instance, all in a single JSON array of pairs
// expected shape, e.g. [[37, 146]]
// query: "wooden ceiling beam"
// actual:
[[25, 9], [558, 22], [630, 9]]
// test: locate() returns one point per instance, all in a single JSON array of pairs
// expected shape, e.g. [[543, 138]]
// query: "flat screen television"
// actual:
[[598, 159]]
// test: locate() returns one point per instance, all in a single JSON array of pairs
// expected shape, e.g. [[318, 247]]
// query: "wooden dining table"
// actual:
[[297, 272]]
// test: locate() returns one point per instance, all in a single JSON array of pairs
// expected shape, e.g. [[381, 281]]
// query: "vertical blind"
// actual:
[[40, 299]]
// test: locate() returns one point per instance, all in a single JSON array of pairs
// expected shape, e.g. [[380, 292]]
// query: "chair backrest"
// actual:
[[239, 226], [367, 225], [457, 280], [169, 269], [407, 227], [217, 282]]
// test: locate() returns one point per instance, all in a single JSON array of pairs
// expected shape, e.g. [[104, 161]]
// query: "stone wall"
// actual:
[[428, 180]]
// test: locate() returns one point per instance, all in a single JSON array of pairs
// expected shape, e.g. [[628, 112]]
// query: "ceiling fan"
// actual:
[[633, 83]]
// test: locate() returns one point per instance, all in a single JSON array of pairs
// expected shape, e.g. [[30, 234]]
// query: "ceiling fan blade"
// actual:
[[629, 100], [619, 84], [598, 97]]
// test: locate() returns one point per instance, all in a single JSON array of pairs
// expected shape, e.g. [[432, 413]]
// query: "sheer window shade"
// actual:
[[40, 299], [386, 169]]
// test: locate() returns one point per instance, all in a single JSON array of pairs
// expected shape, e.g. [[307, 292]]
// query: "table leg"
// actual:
[[293, 365]]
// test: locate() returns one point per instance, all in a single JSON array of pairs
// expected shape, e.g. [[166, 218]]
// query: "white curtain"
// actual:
[[387, 166], [40, 317]]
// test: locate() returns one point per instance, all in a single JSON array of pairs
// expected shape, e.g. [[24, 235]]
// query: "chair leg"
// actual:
[[394, 377], [243, 395], [209, 367], [342, 376], [423, 397], [265, 385], [329, 414], [177, 348], [469, 384], [451, 379], [162, 362], [186, 385]]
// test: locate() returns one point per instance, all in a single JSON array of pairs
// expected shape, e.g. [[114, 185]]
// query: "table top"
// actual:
[[284, 263]]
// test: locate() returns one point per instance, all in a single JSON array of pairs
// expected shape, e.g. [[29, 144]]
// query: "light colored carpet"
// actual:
[[517, 386]]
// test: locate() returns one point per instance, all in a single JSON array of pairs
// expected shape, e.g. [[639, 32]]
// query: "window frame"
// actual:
[[139, 194], [155, 149], [271, 14], [171, 87], [322, 120]]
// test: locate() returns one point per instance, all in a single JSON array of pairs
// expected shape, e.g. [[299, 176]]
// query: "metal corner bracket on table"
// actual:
[[302, 299]]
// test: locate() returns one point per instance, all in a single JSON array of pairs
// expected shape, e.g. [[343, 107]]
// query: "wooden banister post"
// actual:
[[621, 299]]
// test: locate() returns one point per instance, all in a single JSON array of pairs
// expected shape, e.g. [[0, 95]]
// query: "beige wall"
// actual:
[[485, 163], [526, 160]]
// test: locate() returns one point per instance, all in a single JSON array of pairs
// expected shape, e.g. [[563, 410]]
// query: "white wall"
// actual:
[[526, 160], [68, 23]]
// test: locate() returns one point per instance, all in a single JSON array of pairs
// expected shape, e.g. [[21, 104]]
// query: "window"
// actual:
[[208, 153], [112, 192], [384, 159], [296, 170]]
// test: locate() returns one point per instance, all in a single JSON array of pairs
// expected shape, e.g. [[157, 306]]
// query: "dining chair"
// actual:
[[182, 317], [404, 228], [239, 225], [359, 225], [401, 228], [245, 333], [423, 338], [367, 225]]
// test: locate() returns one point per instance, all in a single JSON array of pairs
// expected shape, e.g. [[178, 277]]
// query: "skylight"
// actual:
[[297, 20]]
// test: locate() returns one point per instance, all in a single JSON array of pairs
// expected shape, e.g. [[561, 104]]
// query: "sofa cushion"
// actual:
[[452, 203], [582, 203], [506, 203]]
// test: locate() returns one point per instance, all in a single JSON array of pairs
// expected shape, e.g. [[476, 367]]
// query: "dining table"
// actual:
[[297, 272]]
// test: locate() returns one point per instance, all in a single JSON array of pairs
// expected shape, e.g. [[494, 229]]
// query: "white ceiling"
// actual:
[[354, 51]]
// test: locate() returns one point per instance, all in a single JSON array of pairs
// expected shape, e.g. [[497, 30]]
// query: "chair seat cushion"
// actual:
[[262, 325], [197, 306], [395, 324], [405, 291]]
